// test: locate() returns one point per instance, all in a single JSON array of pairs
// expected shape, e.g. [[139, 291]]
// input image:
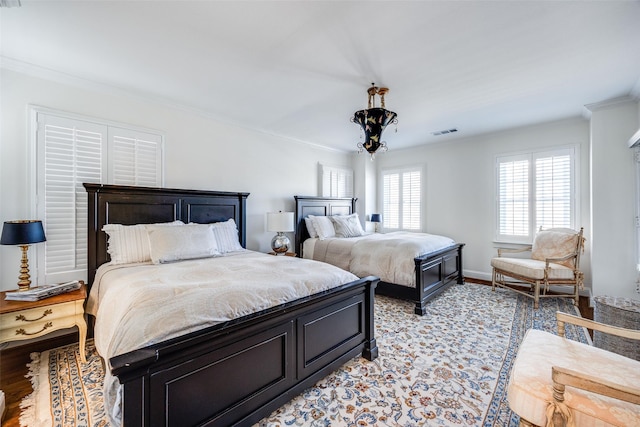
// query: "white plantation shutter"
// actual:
[[554, 192], [391, 200], [336, 181], [535, 190], [70, 152], [137, 158], [401, 199], [513, 195], [411, 200]]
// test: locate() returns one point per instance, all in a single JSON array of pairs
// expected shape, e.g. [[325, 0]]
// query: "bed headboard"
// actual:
[[117, 204], [319, 206]]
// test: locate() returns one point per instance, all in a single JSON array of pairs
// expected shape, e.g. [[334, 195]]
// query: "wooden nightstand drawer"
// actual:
[[39, 321]]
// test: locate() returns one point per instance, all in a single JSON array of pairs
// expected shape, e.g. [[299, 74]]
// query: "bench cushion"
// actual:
[[532, 268], [530, 386]]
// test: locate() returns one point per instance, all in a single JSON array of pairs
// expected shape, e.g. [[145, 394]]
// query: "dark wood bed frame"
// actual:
[[237, 372], [435, 271]]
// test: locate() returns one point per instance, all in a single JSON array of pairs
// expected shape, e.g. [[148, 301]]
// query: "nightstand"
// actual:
[[286, 253], [22, 320]]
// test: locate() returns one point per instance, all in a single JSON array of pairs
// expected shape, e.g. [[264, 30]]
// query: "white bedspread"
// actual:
[[386, 255], [141, 304]]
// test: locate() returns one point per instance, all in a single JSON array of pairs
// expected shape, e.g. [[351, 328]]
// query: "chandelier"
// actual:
[[373, 121]]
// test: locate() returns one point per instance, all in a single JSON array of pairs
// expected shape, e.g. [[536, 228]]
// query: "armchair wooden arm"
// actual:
[[563, 377], [563, 318], [559, 260]]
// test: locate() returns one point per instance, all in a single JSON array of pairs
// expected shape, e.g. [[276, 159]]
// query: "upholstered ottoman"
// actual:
[[530, 389]]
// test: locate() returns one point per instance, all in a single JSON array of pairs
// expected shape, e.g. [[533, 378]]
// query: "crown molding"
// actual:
[[588, 109]]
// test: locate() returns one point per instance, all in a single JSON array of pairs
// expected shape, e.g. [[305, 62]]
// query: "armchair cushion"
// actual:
[[531, 268], [555, 244], [530, 387]]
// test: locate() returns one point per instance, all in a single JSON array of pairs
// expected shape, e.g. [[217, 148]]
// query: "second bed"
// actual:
[[411, 266]]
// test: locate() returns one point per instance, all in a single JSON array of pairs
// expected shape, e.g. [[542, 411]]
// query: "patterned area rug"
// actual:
[[446, 368]]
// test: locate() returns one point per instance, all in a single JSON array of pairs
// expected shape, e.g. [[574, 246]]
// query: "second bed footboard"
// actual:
[[434, 272]]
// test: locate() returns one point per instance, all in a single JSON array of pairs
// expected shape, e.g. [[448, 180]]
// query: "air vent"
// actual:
[[444, 132]]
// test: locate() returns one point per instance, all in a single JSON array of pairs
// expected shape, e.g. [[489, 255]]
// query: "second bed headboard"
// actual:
[[319, 206]]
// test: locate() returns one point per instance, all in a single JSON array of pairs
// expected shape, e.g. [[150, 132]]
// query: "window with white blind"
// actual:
[[534, 190], [336, 181], [69, 152], [401, 199]]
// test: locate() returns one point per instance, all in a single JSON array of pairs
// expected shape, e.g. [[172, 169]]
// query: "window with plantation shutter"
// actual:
[[69, 152], [401, 199], [336, 181], [535, 190]]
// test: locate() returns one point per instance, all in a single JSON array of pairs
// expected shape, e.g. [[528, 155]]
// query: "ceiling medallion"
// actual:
[[373, 121]]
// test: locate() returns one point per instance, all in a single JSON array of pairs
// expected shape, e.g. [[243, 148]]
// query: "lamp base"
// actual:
[[280, 243], [24, 279]]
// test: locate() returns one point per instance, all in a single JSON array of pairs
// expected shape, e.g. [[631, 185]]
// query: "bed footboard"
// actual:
[[239, 372], [435, 272]]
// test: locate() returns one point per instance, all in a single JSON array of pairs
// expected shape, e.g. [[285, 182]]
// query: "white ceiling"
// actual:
[[299, 69]]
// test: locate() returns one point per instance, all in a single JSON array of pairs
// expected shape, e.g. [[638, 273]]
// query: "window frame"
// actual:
[[574, 154], [401, 171], [36, 163]]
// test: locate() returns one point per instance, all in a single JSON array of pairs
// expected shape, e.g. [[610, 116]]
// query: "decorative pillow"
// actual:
[[130, 243], [554, 244], [190, 241], [347, 225], [323, 226], [226, 234], [310, 227]]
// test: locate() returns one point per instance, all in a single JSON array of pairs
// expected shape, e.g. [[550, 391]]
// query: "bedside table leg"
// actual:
[[82, 329]]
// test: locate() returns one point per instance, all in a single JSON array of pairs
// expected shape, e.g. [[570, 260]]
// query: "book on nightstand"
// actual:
[[44, 291]]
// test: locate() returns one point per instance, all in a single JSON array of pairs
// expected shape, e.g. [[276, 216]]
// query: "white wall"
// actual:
[[613, 203], [201, 153], [458, 200]]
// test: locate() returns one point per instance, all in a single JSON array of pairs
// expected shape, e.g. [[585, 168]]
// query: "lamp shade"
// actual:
[[22, 232], [376, 218], [280, 221]]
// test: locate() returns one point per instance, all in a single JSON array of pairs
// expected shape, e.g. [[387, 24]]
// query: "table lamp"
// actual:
[[280, 222], [376, 219], [23, 233]]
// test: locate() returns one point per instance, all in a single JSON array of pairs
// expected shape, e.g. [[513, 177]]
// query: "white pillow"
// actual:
[[130, 243], [310, 228], [347, 225], [323, 226], [190, 241], [226, 234]]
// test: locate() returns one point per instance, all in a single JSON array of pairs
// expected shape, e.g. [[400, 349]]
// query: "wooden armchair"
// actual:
[[554, 261], [559, 382]]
